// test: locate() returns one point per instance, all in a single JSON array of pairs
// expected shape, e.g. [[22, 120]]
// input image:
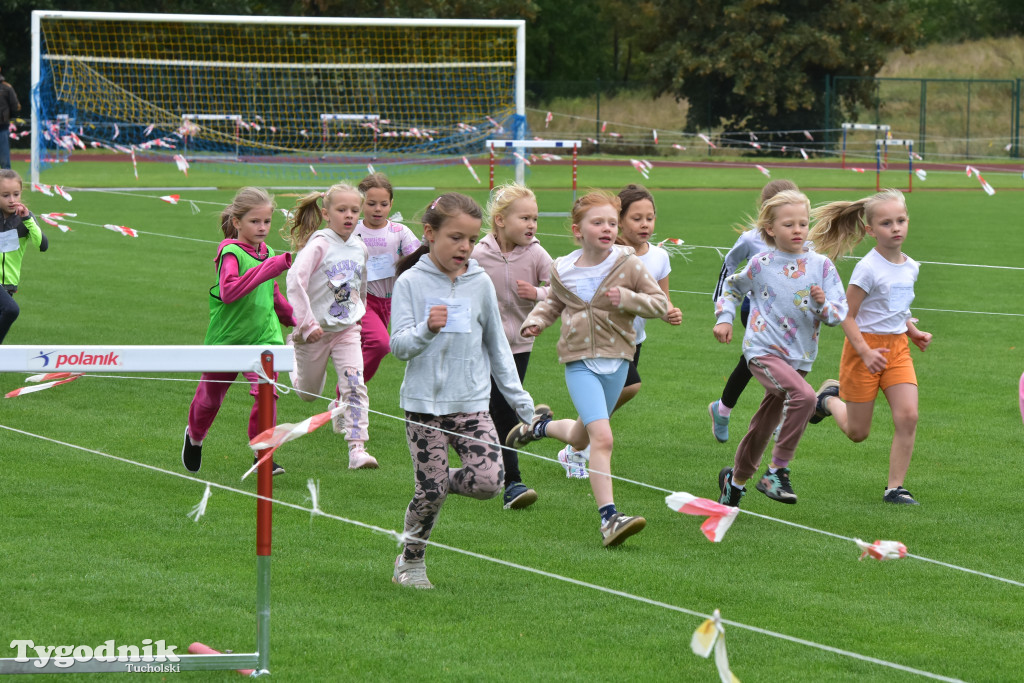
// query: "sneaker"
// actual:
[[519, 496], [619, 528], [275, 469], [777, 487], [899, 496], [522, 433], [361, 460], [719, 424], [829, 387], [574, 462], [191, 455], [411, 573], [731, 495]]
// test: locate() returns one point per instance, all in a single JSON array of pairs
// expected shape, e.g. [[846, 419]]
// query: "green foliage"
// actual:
[[761, 64], [959, 20]]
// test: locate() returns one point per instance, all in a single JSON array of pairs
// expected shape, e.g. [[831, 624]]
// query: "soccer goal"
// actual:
[[141, 74]]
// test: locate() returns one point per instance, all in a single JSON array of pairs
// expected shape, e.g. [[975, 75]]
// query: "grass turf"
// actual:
[[98, 549]]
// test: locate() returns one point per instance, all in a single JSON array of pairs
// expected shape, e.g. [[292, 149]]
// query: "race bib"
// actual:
[[8, 241], [379, 267], [900, 297], [460, 312]]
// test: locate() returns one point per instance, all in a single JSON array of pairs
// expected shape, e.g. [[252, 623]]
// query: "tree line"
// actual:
[[741, 64]]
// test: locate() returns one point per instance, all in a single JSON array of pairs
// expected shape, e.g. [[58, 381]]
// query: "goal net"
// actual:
[[272, 87]]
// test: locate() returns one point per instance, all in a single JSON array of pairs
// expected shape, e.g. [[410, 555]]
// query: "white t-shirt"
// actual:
[[656, 260], [583, 281], [890, 291]]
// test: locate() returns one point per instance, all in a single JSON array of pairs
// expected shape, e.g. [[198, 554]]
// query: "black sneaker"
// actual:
[[519, 496], [730, 495], [829, 387], [275, 469], [899, 496], [191, 456], [777, 487]]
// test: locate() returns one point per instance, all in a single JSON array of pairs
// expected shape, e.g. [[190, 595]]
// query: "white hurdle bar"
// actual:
[[324, 118], [534, 144], [877, 127], [118, 358]]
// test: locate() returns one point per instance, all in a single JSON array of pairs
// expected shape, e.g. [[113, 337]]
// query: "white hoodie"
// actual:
[[450, 372]]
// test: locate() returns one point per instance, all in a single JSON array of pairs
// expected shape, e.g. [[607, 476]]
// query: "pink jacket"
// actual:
[[531, 264]]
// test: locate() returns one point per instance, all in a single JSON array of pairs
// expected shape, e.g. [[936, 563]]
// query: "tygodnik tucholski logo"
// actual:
[[152, 656]]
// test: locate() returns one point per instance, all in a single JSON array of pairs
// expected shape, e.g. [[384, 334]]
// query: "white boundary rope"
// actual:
[[399, 537]]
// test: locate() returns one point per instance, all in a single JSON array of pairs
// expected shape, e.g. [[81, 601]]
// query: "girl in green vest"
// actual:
[[246, 307]]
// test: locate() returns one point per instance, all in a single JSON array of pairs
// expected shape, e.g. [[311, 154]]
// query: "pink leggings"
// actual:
[[376, 342], [213, 386]]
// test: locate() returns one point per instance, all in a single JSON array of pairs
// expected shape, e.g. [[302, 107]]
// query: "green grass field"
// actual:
[[95, 549]]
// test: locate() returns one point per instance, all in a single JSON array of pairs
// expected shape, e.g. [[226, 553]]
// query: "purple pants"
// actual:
[[787, 397], [213, 386]]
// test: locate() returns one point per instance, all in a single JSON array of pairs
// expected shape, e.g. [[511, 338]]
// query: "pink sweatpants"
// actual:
[[213, 386], [310, 375], [376, 341], [787, 397]]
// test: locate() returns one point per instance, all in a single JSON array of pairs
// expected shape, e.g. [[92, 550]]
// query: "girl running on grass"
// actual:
[[597, 290], [875, 353], [512, 256], [246, 307], [18, 229], [748, 244], [792, 292], [636, 225], [448, 329], [386, 242], [327, 287]]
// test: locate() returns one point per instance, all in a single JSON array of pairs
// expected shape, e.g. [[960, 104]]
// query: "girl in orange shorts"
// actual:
[[876, 354]]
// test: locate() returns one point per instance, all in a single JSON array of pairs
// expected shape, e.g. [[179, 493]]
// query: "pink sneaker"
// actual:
[[361, 460]]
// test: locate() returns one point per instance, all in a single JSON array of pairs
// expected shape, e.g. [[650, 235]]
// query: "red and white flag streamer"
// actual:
[[126, 231], [921, 173], [857, 170], [707, 140], [57, 378], [135, 164], [45, 189], [985, 186], [274, 437], [62, 192], [149, 129], [756, 145], [312, 169], [182, 163], [808, 136], [882, 550], [711, 635], [171, 198], [764, 170], [678, 146], [642, 166], [117, 132], [970, 170], [803, 153], [470, 167], [604, 126], [655, 134], [613, 134], [519, 156], [720, 517], [548, 118], [671, 240], [498, 127], [51, 218]]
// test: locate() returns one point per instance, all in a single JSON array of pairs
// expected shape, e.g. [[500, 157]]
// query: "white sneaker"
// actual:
[[411, 573], [574, 462]]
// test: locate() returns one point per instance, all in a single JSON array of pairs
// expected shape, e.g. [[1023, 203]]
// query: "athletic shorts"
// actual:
[[633, 372], [593, 395], [857, 385]]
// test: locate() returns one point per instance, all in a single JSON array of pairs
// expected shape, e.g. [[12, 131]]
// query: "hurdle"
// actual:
[[237, 118], [325, 118], [131, 359], [882, 149], [533, 144], [877, 127]]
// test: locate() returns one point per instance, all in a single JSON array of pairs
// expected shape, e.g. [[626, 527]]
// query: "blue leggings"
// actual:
[[587, 389]]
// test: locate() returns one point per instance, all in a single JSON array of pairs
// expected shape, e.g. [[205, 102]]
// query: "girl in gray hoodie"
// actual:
[[446, 324]]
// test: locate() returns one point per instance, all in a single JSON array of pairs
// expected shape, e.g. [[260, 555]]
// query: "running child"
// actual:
[[246, 307], [636, 225], [748, 244], [875, 352], [513, 258], [327, 288], [597, 290], [386, 242], [448, 329], [792, 292], [18, 229]]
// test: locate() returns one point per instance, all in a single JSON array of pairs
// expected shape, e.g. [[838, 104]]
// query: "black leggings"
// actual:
[[505, 418], [8, 311], [737, 381]]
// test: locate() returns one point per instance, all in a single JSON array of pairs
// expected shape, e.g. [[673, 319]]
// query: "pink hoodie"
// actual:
[[531, 264]]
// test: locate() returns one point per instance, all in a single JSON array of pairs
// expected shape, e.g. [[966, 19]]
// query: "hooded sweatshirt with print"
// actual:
[[450, 371]]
